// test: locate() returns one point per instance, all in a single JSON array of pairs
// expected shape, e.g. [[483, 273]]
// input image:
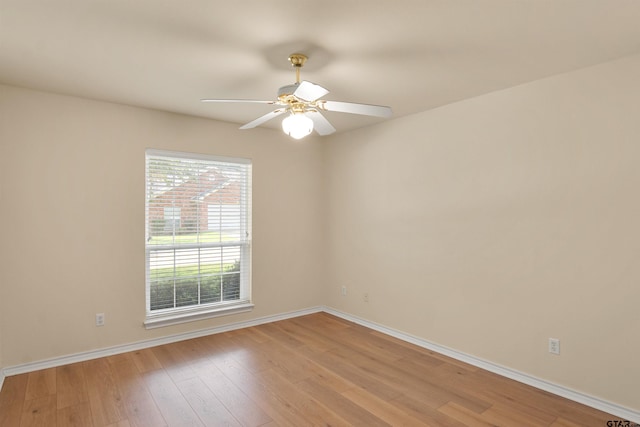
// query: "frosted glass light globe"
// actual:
[[297, 125]]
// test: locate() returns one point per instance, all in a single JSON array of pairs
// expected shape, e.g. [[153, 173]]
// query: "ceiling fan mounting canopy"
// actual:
[[298, 59], [303, 99]]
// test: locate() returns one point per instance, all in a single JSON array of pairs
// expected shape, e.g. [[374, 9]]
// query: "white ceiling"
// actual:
[[412, 55]]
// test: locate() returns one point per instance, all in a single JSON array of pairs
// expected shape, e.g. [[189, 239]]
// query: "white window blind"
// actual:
[[198, 233]]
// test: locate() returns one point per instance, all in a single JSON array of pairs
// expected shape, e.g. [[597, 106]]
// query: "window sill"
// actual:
[[190, 315]]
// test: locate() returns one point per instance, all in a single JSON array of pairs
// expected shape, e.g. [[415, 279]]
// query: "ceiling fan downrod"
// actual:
[[297, 61]]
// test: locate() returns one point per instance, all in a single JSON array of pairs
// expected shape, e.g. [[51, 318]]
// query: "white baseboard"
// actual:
[[110, 351], [594, 402], [585, 399]]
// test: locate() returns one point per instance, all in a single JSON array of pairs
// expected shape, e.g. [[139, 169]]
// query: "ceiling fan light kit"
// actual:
[[302, 104], [297, 125]]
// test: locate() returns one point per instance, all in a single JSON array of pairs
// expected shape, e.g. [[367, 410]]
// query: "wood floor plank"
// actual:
[[305, 406], [175, 410], [464, 415], [354, 414], [573, 411], [388, 370], [325, 322], [273, 405], [255, 333], [345, 369], [584, 416], [41, 384], [78, 415], [14, 389], [288, 362], [202, 400], [305, 335], [104, 396], [380, 408], [425, 414], [426, 352], [40, 411], [222, 344], [388, 376], [245, 410], [10, 414], [503, 415], [326, 376], [387, 351], [139, 406], [173, 362], [145, 360], [561, 422], [310, 370], [251, 356], [275, 333], [507, 392], [71, 385], [12, 398], [409, 381], [117, 358]]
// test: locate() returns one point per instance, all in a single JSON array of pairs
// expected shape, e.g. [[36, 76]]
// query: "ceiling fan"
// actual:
[[302, 104]]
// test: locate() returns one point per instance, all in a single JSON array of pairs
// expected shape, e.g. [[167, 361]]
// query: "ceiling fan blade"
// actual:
[[263, 119], [251, 101], [320, 123], [309, 92], [350, 107]]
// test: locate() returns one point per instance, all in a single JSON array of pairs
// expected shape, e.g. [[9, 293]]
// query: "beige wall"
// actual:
[[2, 261], [492, 224], [73, 219], [487, 226], [1, 322]]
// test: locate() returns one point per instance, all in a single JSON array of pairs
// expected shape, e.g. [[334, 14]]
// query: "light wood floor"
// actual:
[[311, 370]]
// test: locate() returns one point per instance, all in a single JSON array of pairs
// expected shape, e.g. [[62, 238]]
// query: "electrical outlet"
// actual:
[[554, 345], [99, 319], [365, 297], [343, 291]]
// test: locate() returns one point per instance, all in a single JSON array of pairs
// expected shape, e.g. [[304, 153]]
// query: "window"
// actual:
[[198, 236]]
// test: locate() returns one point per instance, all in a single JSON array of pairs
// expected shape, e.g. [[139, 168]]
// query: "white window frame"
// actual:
[[175, 315]]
